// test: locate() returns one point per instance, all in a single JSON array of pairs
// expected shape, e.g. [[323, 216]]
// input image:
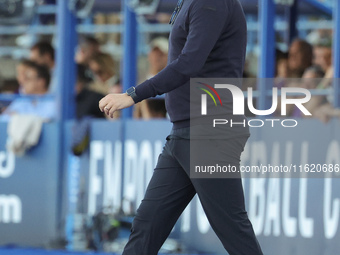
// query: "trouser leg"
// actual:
[[223, 203], [167, 195], [222, 198]]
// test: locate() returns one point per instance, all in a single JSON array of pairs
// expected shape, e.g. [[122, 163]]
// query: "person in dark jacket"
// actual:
[[86, 100], [208, 39]]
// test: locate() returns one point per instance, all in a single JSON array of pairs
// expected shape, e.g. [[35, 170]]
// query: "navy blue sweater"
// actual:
[[207, 39]]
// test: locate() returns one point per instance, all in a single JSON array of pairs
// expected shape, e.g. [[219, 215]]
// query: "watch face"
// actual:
[[130, 90]]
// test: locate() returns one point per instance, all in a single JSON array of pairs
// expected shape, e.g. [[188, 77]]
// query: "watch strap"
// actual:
[[132, 93]]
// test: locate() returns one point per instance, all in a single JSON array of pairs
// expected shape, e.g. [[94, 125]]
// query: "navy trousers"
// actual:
[[171, 189]]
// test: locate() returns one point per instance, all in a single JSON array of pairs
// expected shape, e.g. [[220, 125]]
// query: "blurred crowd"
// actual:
[[97, 75], [306, 64]]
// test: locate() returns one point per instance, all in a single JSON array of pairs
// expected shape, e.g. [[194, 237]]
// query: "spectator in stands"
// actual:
[[322, 106], [300, 57], [281, 70], [36, 83], [88, 47], [8, 86], [312, 77], [153, 109], [310, 80], [323, 56], [158, 57], [318, 36], [43, 54], [326, 112], [86, 100], [21, 70], [103, 67]]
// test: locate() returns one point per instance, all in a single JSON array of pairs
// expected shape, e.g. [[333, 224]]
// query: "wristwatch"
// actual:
[[132, 93]]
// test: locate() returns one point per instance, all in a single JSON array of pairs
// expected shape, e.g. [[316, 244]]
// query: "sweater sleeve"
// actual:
[[206, 22]]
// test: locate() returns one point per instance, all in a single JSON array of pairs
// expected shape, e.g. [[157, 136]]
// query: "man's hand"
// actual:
[[113, 102]]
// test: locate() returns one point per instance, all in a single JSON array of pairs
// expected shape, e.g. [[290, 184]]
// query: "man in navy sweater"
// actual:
[[207, 39]]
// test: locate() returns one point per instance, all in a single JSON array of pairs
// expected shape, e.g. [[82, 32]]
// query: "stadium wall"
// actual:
[[299, 214]]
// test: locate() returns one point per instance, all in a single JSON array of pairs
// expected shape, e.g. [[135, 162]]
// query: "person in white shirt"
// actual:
[[36, 83]]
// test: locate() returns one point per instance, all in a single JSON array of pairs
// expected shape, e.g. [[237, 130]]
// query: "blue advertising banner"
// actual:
[[29, 191], [296, 216], [104, 183]]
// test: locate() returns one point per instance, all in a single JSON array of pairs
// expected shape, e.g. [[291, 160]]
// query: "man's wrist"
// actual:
[[132, 93]]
